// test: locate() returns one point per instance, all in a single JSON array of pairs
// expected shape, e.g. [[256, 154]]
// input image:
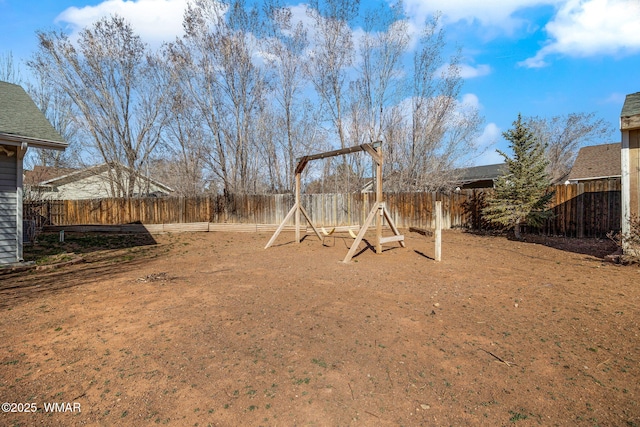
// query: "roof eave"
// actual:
[[16, 140], [76, 175], [594, 178]]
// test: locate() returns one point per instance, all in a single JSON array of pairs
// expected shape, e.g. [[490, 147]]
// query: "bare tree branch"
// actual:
[[111, 79]]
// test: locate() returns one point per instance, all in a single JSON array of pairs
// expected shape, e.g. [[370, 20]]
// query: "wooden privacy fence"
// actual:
[[590, 209], [407, 209], [44, 212], [580, 210]]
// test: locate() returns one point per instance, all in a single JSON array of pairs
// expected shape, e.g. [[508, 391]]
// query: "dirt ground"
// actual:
[[203, 329]]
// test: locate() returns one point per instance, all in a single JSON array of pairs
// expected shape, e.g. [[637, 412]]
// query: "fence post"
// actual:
[[438, 231], [580, 214]]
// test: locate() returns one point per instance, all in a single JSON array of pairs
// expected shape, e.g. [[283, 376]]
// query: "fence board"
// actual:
[[587, 209]]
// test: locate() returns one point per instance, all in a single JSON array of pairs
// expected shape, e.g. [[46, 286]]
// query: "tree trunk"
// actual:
[[516, 230]]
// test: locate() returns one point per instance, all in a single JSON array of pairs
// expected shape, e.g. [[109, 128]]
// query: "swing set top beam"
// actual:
[[369, 148]]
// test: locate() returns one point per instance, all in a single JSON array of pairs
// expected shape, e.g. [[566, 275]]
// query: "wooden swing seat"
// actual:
[[331, 232]]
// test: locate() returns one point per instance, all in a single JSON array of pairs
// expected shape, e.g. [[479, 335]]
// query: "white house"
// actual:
[[95, 182]]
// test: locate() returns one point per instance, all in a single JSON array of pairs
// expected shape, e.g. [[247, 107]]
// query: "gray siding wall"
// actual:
[[8, 209]]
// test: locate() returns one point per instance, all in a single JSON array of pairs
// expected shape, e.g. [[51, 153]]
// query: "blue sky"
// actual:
[[535, 57]]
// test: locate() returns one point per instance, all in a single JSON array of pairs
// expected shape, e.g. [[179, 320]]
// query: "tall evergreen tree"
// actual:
[[522, 193]]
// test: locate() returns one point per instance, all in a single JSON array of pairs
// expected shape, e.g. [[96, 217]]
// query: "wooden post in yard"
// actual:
[[298, 209], [438, 232], [381, 207]]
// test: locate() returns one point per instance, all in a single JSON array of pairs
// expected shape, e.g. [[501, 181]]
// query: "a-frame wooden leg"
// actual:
[[281, 226], [306, 215], [393, 227], [363, 230], [293, 210]]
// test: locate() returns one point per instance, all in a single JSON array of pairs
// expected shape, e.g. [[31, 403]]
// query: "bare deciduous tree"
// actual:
[[564, 135], [236, 100], [214, 62], [113, 82], [440, 131], [194, 67], [330, 56], [294, 119], [58, 108], [433, 102], [9, 70], [380, 83], [182, 165]]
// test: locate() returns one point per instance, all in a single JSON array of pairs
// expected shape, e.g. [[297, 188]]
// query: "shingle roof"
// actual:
[[596, 161], [631, 105], [21, 118], [44, 173], [481, 173], [78, 174]]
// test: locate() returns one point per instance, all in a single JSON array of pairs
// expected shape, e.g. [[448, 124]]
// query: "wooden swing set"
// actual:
[[378, 211]]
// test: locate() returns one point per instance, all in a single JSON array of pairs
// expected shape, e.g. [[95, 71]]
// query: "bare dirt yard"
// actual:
[[199, 329]]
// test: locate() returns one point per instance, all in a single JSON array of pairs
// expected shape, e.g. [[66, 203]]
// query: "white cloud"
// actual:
[[156, 21], [486, 144], [300, 14], [469, 71], [489, 13], [490, 136], [470, 100], [583, 28]]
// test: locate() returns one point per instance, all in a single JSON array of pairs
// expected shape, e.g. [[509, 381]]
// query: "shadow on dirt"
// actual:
[[49, 244], [598, 248], [422, 254], [22, 286], [95, 256]]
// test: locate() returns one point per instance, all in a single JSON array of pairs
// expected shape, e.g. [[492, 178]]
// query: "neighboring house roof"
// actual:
[[472, 177], [22, 121], [481, 173], [479, 176], [74, 175], [596, 162], [44, 173]]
